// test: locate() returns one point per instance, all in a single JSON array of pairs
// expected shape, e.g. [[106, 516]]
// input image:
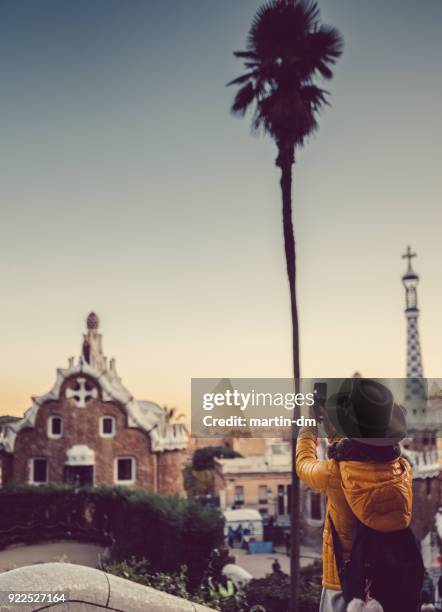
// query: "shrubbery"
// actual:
[[167, 531], [204, 458], [177, 584], [273, 592], [269, 594], [169, 543]]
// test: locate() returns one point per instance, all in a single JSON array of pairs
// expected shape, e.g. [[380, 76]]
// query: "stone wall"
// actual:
[[89, 590], [426, 500], [170, 467], [5, 467]]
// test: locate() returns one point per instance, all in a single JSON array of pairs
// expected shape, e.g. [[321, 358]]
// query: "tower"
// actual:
[[415, 395], [92, 348], [421, 445]]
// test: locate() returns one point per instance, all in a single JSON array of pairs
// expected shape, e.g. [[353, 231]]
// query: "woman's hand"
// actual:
[[306, 430]]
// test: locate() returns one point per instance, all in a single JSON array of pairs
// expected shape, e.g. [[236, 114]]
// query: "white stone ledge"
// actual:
[[89, 590]]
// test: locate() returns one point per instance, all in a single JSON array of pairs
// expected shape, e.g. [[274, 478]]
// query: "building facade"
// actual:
[[263, 482], [89, 430]]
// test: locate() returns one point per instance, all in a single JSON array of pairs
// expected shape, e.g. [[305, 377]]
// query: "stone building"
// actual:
[[260, 482], [263, 482], [89, 430]]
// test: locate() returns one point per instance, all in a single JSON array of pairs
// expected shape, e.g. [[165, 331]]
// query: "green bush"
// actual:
[[204, 458], [177, 584], [167, 531], [198, 482], [140, 571], [273, 591], [269, 594], [310, 587]]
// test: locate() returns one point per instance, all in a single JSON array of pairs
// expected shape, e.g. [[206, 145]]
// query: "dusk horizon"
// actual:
[[128, 189]]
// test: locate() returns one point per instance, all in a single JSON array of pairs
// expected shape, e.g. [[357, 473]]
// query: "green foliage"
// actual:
[[288, 52], [167, 531], [273, 591], [198, 482], [204, 458], [269, 594], [177, 584], [169, 543], [310, 587], [140, 571]]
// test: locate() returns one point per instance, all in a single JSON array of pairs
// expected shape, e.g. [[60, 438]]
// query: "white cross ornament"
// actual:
[[82, 395]]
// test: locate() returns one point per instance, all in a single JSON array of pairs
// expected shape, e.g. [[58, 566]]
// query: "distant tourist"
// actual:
[[439, 593], [246, 537], [428, 590], [231, 536], [369, 499], [226, 587], [287, 540], [239, 534]]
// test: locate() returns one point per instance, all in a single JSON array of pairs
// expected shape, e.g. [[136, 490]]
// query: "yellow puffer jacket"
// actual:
[[378, 494]]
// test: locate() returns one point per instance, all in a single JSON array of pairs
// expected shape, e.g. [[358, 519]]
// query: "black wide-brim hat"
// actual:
[[364, 410]]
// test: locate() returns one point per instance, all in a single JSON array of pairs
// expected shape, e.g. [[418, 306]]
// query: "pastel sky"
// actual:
[[126, 187]]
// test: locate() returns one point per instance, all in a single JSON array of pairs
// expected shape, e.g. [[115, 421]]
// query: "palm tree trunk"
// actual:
[[285, 161]]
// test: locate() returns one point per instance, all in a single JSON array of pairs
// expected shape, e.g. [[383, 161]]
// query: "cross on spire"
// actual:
[[409, 255]]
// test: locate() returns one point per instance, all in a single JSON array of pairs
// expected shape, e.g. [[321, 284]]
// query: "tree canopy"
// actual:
[[287, 51], [204, 458]]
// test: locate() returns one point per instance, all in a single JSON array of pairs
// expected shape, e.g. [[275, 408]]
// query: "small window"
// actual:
[[39, 471], [239, 496], [55, 427], [125, 470], [262, 494], [281, 500], [280, 449], [314, 508], [289, 499], [107, 426]]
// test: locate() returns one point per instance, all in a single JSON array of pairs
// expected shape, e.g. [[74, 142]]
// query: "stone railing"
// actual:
[[88, 590]]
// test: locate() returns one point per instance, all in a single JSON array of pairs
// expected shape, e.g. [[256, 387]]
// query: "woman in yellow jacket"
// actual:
[[364, 479]]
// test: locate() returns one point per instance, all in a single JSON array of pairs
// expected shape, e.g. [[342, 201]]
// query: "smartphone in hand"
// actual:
[[320, 397]]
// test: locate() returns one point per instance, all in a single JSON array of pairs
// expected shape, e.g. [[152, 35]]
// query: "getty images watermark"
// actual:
[[238, 400], [270, 407], [249, 407]]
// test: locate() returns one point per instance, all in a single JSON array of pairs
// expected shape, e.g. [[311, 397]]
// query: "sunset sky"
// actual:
[[127, 188]]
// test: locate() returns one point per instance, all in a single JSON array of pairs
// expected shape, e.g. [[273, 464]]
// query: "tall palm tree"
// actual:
[[287, 52]]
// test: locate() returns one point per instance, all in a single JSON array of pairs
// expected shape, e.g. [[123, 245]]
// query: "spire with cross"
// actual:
[[409, 255], [410, 281], [415, 391]]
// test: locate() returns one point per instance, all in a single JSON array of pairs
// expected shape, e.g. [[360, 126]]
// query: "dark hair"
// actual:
[[351, 450]]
